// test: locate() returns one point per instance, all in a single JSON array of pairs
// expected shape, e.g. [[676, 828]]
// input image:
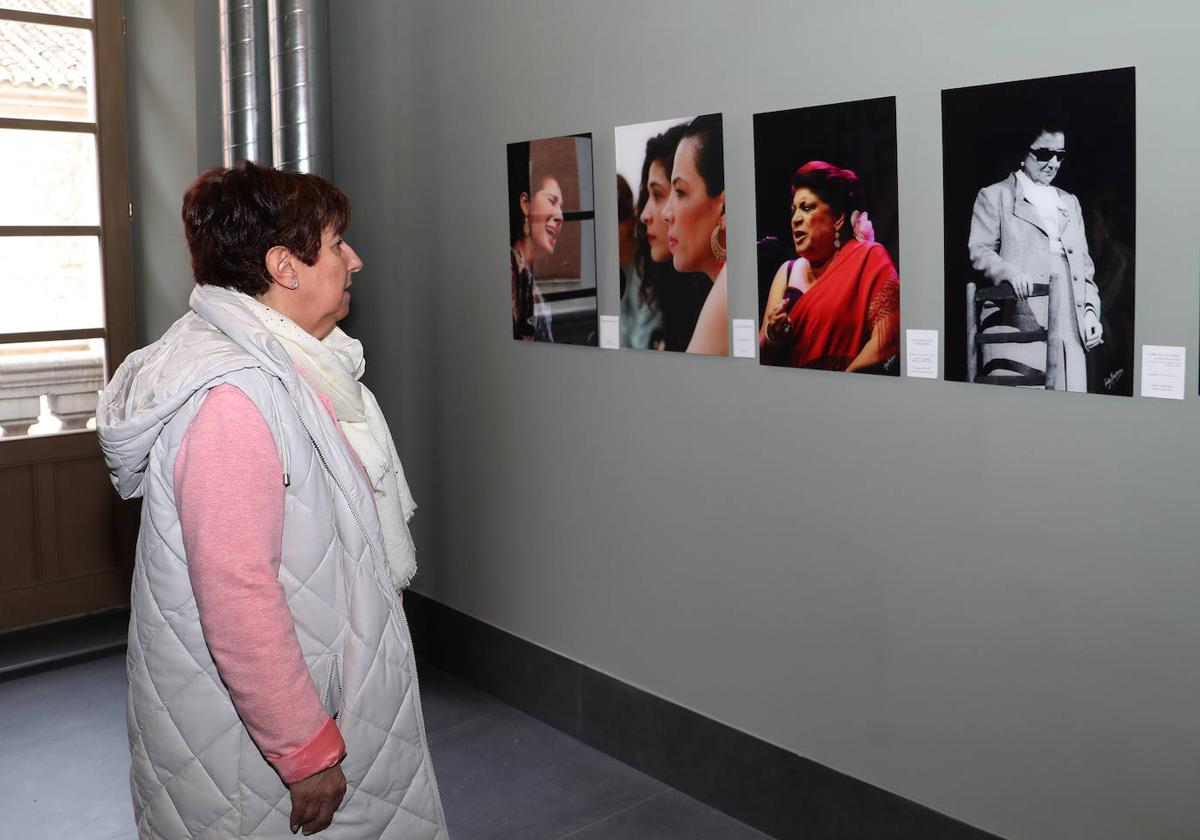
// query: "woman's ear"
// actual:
[[525, 203], [281, 266], [721, 198]]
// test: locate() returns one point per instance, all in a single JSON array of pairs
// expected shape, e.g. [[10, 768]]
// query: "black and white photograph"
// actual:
[[1039, 186], [828, 237]]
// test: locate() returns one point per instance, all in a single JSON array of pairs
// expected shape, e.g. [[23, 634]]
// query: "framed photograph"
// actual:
[[552, 239], [671, 235], [828, 237], [1039, 187]]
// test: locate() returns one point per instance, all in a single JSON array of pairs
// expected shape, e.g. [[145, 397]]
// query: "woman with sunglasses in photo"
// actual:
[[1030, 236]]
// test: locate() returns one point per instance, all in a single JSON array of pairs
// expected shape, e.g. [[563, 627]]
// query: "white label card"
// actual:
[[610, 332], [921, 348], [1163, 370], [744, 338]]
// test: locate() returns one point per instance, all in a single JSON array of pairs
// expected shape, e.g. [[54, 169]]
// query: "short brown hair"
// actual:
[[233, 216]]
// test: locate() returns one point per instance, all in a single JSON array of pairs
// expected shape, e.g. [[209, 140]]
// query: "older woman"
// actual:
[[1030, 236], [271, 679], [837, 306], [695, 217], [536, 220]]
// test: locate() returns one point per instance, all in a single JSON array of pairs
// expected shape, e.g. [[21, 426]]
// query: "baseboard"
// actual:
[[57, 644], [766, 787]]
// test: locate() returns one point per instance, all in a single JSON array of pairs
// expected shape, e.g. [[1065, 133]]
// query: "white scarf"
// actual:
[[1046, 201], [334, 366]]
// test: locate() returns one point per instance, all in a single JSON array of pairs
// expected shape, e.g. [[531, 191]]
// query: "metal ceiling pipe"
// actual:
[[301, 111], [245, 82]]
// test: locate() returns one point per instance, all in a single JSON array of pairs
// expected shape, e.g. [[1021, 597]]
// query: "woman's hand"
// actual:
[[316, 798], [1093, 332], [779, 326]]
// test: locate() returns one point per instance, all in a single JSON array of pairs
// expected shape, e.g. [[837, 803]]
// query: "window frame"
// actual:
[[107, 27]]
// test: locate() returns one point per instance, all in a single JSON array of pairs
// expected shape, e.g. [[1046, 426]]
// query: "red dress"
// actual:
[[833, 320]]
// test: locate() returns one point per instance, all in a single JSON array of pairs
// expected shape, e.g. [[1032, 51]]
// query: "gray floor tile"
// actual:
[[66, 769], [64, 703], [507, 776], [503, 775], [669, 816], [448, 701]]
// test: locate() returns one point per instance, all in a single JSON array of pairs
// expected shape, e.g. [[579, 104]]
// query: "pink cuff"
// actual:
[[318, 753]]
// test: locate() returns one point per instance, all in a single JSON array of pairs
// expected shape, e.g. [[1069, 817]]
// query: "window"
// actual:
[[65, 292], [65, 306]]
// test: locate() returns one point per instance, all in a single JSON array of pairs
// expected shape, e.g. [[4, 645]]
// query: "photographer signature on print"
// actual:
[[1045, 297], [829, 289], [553, 241]]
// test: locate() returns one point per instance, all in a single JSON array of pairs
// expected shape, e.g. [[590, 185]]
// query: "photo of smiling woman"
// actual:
[[552, 237], [1039, 188], [829, 290]]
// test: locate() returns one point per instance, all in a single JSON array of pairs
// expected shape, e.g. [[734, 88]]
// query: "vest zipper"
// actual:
[[333, 678], [427, 760], [280, 441]]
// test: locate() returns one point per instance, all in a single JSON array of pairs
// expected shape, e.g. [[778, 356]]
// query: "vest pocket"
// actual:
[[331, 696]]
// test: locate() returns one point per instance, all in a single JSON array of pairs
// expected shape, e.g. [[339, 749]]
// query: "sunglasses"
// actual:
[[1044, 155]]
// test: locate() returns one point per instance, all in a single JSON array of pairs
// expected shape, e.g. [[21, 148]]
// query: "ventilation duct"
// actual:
[[301, 113], [245, 84]]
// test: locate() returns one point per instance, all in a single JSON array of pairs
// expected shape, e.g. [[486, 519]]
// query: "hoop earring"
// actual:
[[714, 242]]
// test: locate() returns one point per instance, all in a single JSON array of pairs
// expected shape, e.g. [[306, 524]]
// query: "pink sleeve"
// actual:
[[230, 495]]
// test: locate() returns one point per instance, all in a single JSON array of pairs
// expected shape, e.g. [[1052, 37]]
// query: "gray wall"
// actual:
[[172, 83], [980, 599], [161, 96]]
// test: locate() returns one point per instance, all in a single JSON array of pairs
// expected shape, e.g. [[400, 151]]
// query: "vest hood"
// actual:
[[153, 383]]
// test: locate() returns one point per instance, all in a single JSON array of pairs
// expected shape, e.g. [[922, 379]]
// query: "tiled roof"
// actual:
[[44, 56]]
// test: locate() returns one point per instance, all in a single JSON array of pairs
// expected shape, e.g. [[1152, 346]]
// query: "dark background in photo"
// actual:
[[985, 131], [852, 135]]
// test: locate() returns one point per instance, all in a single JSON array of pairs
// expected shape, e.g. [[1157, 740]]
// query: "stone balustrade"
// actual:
[[44, 391]]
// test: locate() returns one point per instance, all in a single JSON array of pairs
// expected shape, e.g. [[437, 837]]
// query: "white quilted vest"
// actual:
[[195, 771]]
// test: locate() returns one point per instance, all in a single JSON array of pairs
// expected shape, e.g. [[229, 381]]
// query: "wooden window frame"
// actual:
[[107, 26], [62, 577]]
